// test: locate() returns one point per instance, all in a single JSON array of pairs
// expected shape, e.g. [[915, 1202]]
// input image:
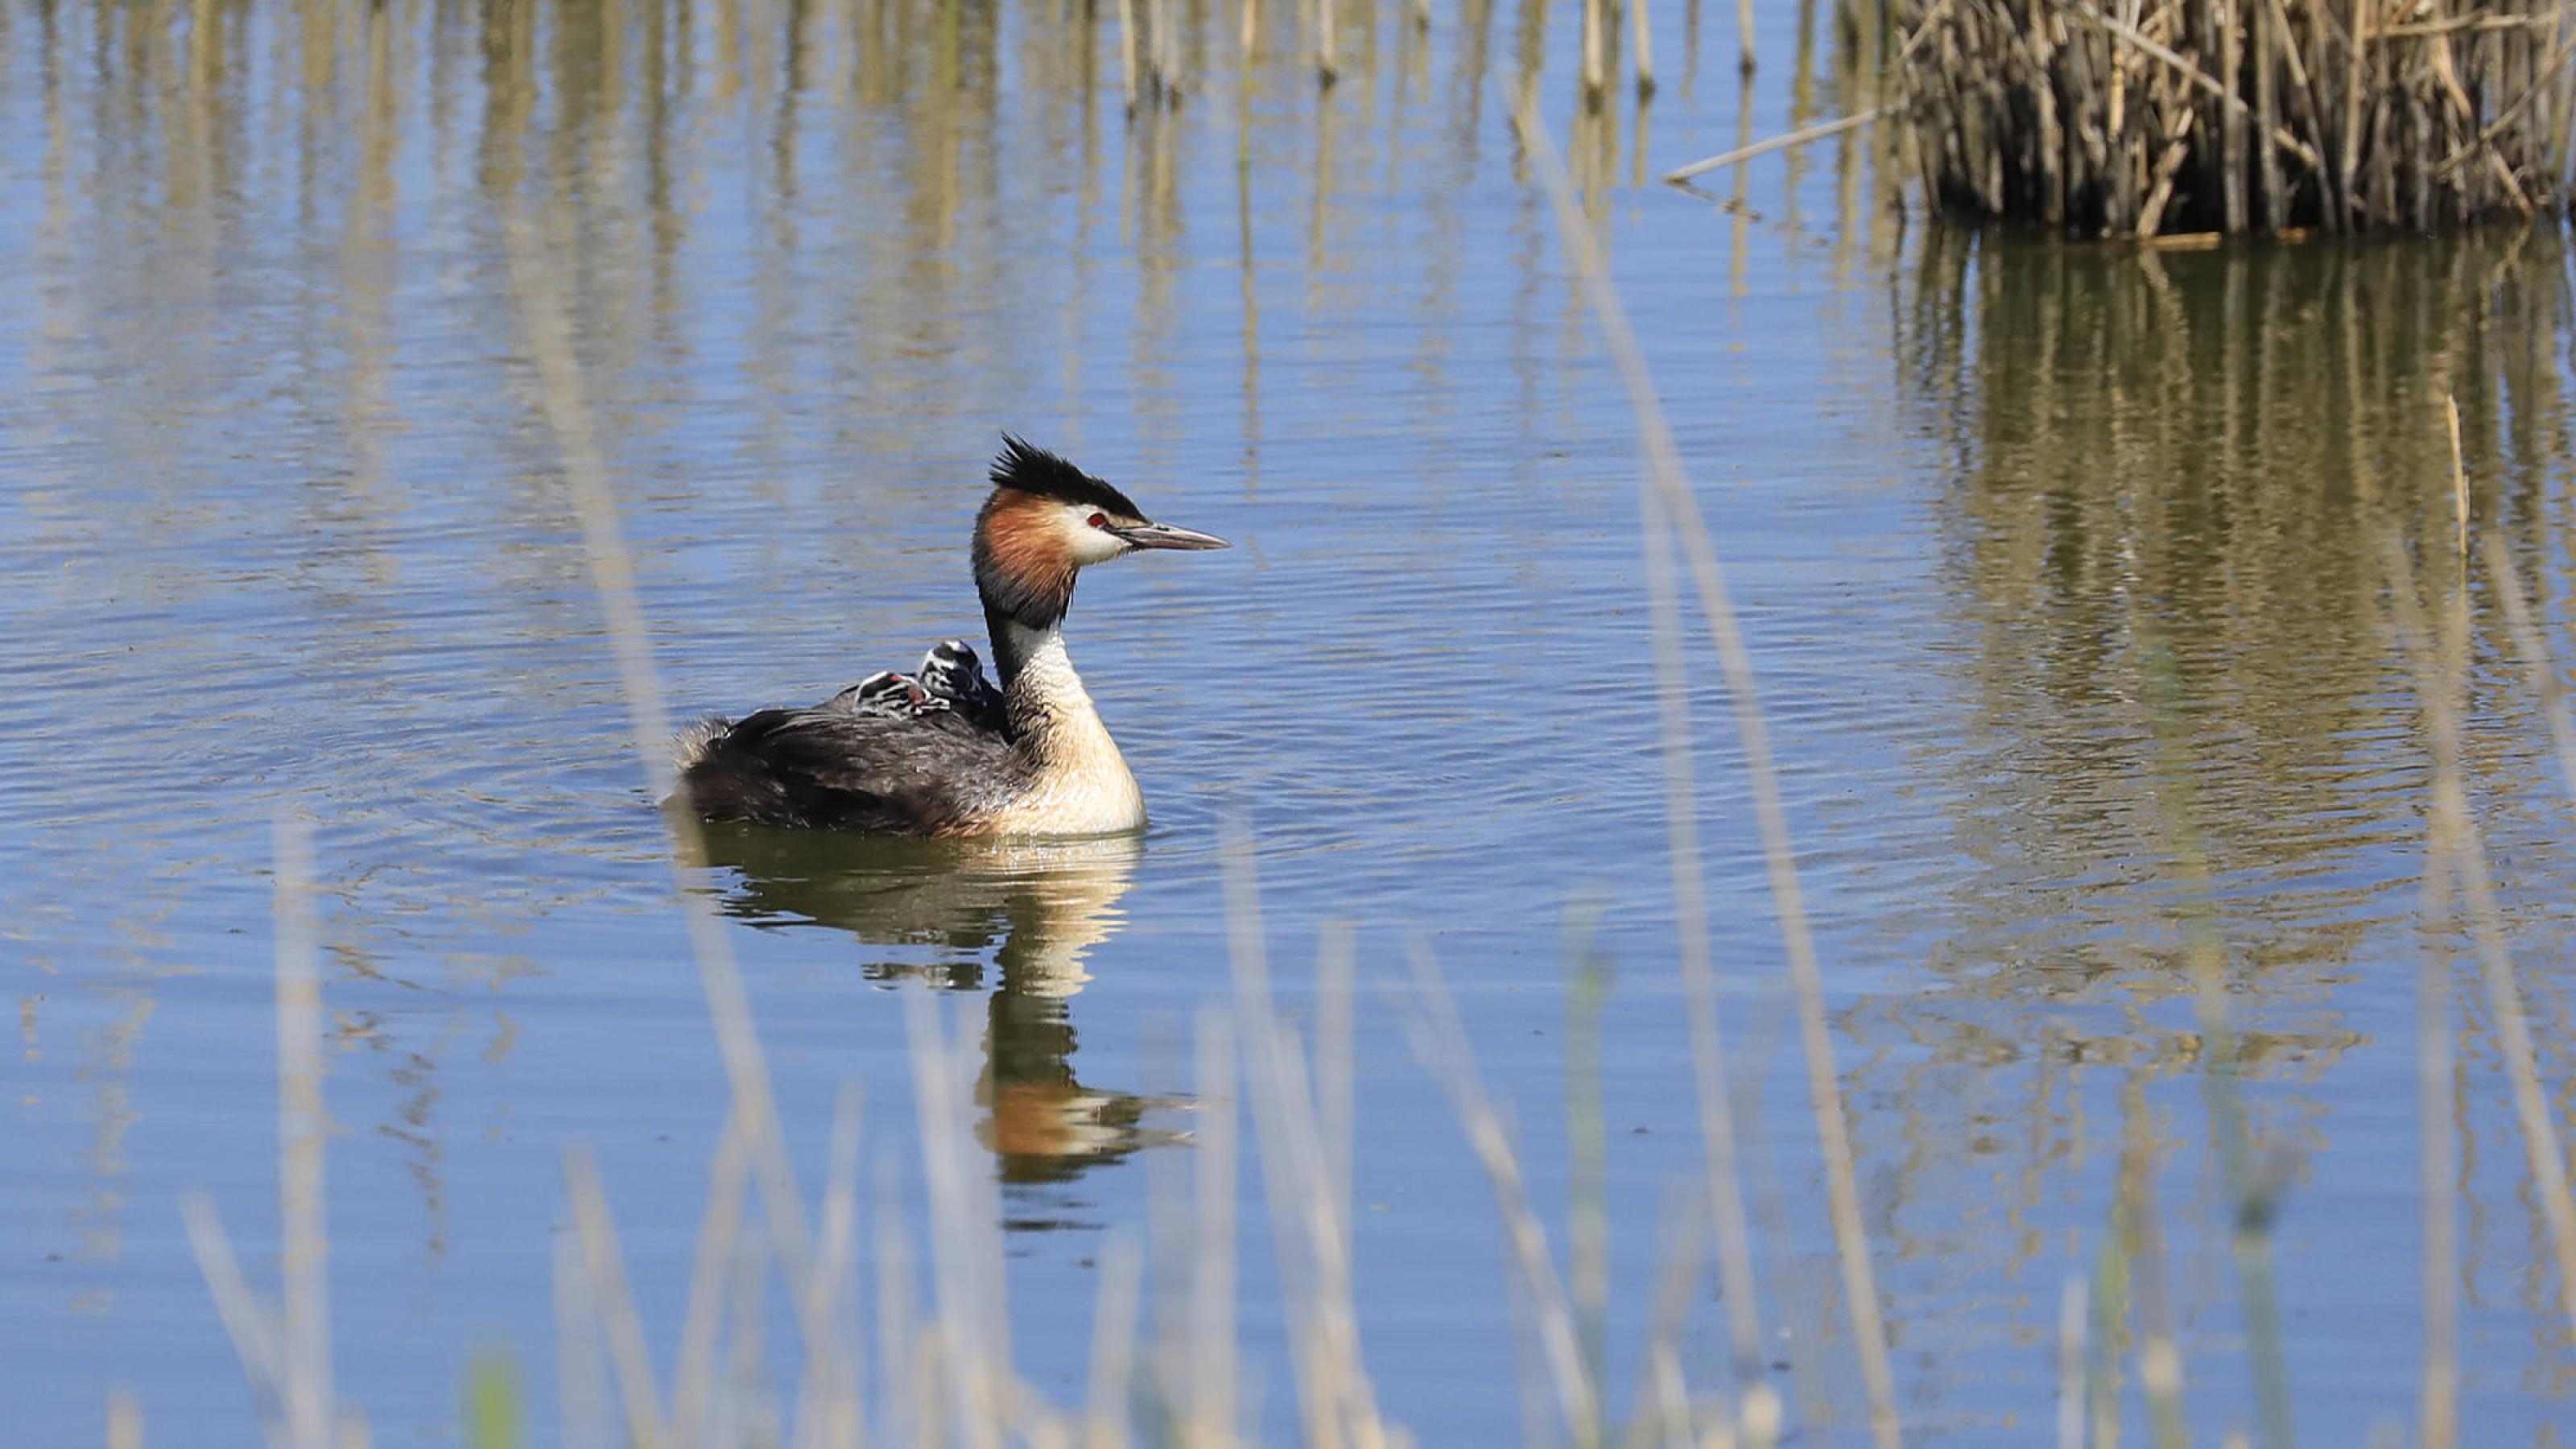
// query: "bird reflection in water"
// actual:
[[1035, 908]]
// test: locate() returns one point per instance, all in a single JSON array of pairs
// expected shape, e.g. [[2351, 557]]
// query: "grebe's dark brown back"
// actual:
[[942, 751]]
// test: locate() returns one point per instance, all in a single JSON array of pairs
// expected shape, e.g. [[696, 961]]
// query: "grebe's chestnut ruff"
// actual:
[[941, 752]]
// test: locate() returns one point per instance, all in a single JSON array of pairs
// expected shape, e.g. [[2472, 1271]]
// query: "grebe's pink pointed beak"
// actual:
[[1165, 535]]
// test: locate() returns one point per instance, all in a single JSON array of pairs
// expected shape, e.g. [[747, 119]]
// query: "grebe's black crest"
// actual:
[[1032, 469]]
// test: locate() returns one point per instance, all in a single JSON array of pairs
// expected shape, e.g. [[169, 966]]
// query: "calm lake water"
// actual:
[[2065, 572]]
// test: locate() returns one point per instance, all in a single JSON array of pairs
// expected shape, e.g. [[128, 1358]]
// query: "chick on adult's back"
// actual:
[[941, 751]]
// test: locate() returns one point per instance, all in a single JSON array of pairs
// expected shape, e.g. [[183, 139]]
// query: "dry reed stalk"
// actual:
[[604, 1271], [246, 1322], [2348, 121], [1166, 78], [2439, 1413], [563, 401], [1127, 47], [1670, 507], [1211, 1417], [124, 1420], [1644, 33], [582, 1400], [2249, 1199], [1328, 66], [304, 1336], [693, 1380], [2070, 1364], [1744, 36], [1596, 77], [1113, 1346], [1677, 1254], [1305, 1158], [1799, 137], [2457, 841], [1440, 1039], [287, 1356], [898, 1363], [2459, 479], [1336, 963], [972, 1331], [827, 1399]]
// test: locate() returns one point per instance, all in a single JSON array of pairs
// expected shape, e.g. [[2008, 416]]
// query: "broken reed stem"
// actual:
[[2141, 118], [1670, 506], [1799, 137], [2459, 479]]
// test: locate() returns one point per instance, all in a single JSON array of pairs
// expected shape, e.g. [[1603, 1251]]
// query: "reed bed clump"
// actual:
[[2235, 116]]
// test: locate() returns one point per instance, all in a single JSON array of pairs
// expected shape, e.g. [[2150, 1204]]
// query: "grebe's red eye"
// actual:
[[1100, 520]]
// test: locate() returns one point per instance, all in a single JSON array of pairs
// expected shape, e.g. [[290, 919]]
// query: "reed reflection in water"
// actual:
[[2188, 733]]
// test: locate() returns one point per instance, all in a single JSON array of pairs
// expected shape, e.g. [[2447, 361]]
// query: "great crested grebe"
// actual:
[[941, 752]]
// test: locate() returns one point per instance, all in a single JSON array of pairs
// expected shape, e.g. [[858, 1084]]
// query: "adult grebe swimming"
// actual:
[[942, 752]]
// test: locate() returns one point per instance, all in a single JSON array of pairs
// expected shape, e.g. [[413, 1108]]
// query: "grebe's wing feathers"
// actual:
[[837, 768]]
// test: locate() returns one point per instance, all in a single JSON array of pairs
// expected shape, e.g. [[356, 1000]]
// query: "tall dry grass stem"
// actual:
[[304, 1337], [2249, 1194], [2438, 1414], [1440, 1039], [1212, 1386], [604, 1269], [1113, 1346], [563, 402], [2070, 1364], [1305, 1158], [287, 1354], [1672, 514], [581, 1398], [693, 1381], [2457, 841]]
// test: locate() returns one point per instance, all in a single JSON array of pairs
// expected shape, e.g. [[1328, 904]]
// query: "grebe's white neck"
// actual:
[[1080, 783]]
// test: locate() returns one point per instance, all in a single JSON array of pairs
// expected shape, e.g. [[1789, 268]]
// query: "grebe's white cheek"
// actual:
[[1091, 545]]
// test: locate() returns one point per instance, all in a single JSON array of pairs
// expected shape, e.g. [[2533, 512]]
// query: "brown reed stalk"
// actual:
[[1127, 50], [2438, 1415], [2458, 845], [287, 1355], [1672, 514], [1596, 69], [1645, 43], [2227, 116]]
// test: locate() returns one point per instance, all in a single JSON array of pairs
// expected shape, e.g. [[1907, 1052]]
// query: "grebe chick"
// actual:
[[941, 752]]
